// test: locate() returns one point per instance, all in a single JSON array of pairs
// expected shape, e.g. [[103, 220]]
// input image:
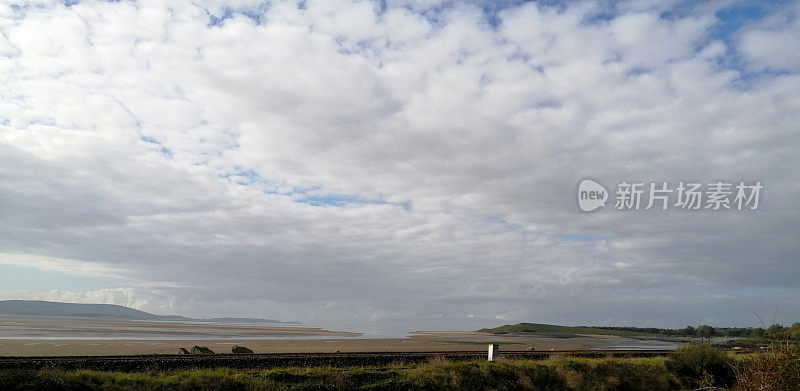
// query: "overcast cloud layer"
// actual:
[[416, 164]]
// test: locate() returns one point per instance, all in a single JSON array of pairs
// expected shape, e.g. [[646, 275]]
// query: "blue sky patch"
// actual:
[[314, 196], [163, 150], [256, 14], [243, 177], [338, 200], [733, 18]]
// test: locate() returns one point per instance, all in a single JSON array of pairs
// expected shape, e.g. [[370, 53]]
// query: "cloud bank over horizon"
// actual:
[[368, 163]]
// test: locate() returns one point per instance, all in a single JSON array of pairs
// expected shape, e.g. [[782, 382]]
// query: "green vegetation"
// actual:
[[554, 329], [700, 367], [777, 368], [773, 333], [703, 366], [570, 374]]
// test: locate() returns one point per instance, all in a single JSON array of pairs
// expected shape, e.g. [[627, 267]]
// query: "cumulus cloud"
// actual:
[[367, 163], [769, 43]]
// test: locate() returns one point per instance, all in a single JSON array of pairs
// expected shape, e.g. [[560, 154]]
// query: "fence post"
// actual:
[[493, 351]]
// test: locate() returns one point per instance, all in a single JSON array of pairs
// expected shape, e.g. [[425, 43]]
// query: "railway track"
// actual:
[[139, 363]]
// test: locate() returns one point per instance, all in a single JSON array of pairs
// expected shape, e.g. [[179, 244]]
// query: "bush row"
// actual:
[[700, 367]]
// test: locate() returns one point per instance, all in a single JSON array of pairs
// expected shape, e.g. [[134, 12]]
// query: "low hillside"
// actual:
[[108, 311], [774, 332], [49, 308], [555, 329]]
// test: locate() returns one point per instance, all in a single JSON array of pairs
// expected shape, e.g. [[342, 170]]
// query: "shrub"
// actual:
[[616, 374], [777, 369], [485, 376], [702, 366]]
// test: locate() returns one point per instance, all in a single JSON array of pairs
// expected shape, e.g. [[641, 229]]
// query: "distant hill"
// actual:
[[50, 308], [107, 311], [555, 329]]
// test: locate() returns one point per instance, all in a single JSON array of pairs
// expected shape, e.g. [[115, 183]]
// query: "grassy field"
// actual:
[[571, 374], [693, 368]]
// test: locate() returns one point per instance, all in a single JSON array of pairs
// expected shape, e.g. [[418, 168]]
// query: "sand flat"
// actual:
[[443, 341], [125, 347], [63, 336]]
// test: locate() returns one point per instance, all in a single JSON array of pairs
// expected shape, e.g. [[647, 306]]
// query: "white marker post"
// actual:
[[493, 351]]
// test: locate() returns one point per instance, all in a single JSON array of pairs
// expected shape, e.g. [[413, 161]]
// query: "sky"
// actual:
[[390, 166]]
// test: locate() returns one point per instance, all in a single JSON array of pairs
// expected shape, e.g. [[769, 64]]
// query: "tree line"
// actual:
[[776, 331]]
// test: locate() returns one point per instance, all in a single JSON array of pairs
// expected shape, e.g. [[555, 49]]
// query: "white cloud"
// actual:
[[126, 129], [770, 44]]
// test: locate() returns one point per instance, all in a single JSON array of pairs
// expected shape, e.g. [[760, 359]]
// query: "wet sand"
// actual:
[[438, 341], [47, 327], [49, 336]]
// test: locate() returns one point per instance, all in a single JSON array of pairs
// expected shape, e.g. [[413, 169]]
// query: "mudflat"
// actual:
[[454, 341], [50, 336]]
